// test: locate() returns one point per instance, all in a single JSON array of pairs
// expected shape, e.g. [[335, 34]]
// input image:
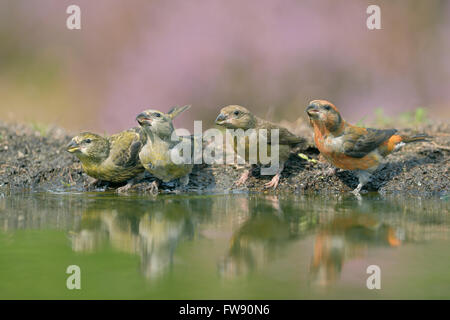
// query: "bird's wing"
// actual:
[[125, 147], [360, 141], [284, 135]]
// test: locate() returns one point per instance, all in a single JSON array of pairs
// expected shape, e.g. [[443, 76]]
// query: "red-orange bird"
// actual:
[[350, 147]]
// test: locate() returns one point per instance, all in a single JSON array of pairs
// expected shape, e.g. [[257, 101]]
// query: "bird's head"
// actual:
[[323, 113], [236, 117], [89, 146], [157, 122]]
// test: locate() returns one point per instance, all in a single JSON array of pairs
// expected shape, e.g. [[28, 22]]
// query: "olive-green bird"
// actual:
[[112, 159], [156, 154], [238, 117]]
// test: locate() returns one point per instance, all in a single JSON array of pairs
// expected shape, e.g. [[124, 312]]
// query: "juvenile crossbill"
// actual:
[[112, 159], [155, 155], [350, 147], [237, 117]]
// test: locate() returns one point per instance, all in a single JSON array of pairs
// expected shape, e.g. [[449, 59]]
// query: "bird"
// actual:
[[350, 147], [112, 159], [344, 238], [156, 154], [238, 117]]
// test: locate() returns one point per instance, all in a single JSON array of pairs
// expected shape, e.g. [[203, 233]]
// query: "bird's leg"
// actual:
[[276, 178], [125, 188], [363, 177], [330, 171], [357, 189], [184, 181], [154, 187], [130, 183], [322, 159], [96, 183], [274, 182], [243, 178], [327, 169]]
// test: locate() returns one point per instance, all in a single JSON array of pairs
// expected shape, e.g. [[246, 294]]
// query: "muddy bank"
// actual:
[[32, 162]]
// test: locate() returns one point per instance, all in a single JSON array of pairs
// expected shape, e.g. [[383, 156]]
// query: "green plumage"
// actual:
[[113, 159], [155, 155]]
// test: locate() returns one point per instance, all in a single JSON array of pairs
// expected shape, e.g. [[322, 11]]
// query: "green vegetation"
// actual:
[[418, 116], [305, 157], [407, 118], [42, 128], [361, 122]]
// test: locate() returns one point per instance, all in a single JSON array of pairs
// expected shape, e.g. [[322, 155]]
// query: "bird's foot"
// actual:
[[357, 196], [154, 188], [125, 188], [184, 181], [330, 172], [357, 190], [243, 179], [95, 184], [273, 183]]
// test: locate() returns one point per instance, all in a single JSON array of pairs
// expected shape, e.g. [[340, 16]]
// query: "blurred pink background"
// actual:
[[271, 56]]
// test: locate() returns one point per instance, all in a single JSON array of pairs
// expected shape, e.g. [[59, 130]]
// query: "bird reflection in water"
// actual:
[[344, 238], [268, 227], [150, 230]]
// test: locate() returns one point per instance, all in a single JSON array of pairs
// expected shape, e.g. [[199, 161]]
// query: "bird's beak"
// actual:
[[72, 146], [143, 119], [221, 118], [312, 111]]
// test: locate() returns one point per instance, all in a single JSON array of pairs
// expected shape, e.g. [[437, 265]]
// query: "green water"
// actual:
[[223, 246]]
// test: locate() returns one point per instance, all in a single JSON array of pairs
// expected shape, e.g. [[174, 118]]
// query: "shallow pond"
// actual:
[[235, 246]]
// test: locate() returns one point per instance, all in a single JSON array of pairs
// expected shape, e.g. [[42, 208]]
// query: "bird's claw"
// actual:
[[96, 184], [184, 181], [153, 189], [330, 172], [242, 180], [356, 192], [124, 189], [273, 183], [239, 182]]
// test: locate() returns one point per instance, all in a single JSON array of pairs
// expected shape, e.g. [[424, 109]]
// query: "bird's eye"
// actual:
[[236, 113], [327, 108], [88, 140], [157, 115]]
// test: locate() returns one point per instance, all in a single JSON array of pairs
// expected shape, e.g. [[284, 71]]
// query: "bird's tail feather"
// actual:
[[175, 111], [417, 137]]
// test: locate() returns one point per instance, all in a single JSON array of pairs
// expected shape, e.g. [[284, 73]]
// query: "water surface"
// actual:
[[235, 246]]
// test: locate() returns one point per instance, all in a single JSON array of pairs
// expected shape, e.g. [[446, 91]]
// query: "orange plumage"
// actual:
[[350, 147]]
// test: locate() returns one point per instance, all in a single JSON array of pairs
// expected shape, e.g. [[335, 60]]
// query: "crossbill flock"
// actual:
[[127, 156]]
